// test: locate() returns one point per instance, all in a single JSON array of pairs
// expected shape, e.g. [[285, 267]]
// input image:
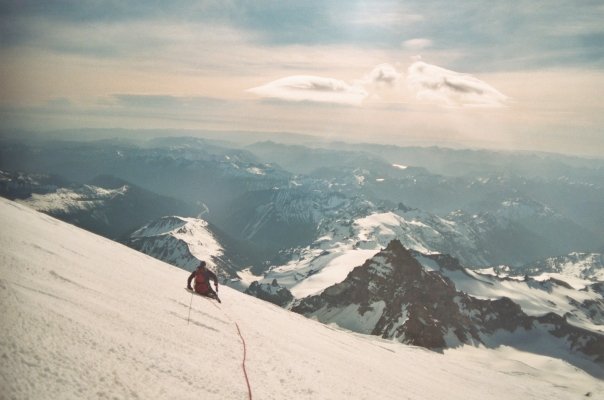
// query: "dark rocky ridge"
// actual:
[[273, 293]]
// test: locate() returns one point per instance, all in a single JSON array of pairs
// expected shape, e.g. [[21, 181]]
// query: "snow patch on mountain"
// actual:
[[256, 171], [64, 200], [335, 270], [352, 317]]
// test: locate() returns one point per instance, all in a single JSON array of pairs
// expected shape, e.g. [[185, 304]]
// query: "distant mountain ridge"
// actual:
[[576, 265], [345, 239], [107, 205], [518, 209], [584, 265]]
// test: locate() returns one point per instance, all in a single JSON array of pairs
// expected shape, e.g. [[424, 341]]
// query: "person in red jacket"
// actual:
[[203, 276]]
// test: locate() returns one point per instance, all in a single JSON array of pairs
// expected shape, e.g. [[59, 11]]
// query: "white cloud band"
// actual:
[[429, 84], [312, 88], [438, 85]]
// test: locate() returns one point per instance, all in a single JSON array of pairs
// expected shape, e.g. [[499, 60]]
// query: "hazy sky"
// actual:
[[524, 74]]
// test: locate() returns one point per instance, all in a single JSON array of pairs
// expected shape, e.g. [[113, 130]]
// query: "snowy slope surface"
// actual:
[[84, 317]]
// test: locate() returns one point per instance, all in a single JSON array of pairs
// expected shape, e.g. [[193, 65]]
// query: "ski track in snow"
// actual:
[[84, 317]]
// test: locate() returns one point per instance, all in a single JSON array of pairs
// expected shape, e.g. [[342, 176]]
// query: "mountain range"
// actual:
[[105, 205], [388, 245]]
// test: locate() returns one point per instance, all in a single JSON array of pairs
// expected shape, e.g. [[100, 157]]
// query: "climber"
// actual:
[[202, 276]]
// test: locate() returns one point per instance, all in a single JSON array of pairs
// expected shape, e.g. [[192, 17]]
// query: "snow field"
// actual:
[[84, 317], [334, 271]]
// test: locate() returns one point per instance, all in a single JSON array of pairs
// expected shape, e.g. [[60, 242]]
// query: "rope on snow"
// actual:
[[247, 381]]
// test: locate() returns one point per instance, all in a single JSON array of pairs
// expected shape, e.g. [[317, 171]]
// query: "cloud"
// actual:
[[424, 83], [312, 88], [383, 84], [417, 44], [329, 90], [434, 84], [383, 74]]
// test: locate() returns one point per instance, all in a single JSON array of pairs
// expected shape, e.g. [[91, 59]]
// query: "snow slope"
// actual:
[[84, 317]]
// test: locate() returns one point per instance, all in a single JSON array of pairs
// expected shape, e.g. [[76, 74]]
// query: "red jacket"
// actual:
[[202, 280]]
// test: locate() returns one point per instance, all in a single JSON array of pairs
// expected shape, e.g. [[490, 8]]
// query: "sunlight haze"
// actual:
[[524, 75]]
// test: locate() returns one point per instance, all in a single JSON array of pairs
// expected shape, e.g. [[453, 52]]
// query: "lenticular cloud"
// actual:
[[438, 85], [429, 83], [312, 88]]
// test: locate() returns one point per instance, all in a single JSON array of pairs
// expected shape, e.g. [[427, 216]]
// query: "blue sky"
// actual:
[[498, 74]]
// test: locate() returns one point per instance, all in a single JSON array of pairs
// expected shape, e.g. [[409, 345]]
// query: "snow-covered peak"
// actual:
[[161, 226], [183, 242]]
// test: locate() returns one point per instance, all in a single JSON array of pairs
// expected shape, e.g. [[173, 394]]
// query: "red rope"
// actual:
[[247, 381]]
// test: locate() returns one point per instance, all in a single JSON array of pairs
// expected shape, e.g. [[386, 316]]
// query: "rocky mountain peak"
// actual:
[[417, 302]]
